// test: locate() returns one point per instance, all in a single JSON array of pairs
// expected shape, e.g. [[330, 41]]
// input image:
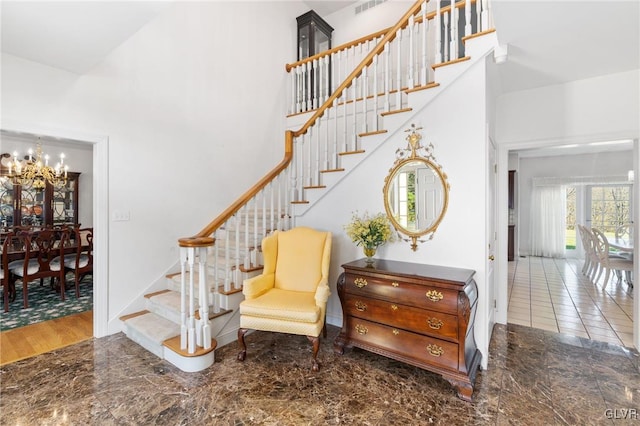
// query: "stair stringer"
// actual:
[[477, 48]]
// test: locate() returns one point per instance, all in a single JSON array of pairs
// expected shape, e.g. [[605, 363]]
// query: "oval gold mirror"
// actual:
[[416, 191]]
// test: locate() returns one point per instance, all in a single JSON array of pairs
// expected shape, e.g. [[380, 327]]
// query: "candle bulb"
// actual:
[[46, 160], [30, 154]]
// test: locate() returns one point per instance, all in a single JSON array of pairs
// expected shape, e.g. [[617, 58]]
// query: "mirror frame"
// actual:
[[403, 157]]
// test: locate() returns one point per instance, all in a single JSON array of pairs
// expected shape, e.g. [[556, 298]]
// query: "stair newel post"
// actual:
[[425, 30], [204, 299], [399, 70], [467, 18], [410, 70], [272, 206], [453, 49], [293, 108], [438, 55], [301, 175], [183, 297], [191, 332]]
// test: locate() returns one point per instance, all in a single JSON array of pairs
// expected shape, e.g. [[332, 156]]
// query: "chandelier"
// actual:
[[35, 171]]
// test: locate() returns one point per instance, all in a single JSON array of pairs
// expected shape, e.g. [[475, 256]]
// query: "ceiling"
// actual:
[[554, 42]]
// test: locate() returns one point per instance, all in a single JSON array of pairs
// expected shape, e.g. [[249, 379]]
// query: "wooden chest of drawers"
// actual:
[[419, 314]]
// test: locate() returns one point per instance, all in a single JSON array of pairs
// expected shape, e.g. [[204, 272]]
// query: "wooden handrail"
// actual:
[[203, 238], [373, 36], [391, 34]]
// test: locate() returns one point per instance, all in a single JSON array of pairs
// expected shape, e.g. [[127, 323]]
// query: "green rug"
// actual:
[[45, 303]]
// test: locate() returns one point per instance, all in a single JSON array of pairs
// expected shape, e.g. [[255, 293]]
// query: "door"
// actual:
[[491, 237]]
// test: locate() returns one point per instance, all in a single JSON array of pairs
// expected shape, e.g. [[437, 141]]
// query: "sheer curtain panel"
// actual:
[[548, 221]]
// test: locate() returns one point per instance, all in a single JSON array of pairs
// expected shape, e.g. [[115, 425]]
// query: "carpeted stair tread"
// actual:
[[154, 327]]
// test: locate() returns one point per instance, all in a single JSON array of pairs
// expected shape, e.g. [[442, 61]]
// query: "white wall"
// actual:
[[78, 157], [460, 149], [192, 106], [616, 163]]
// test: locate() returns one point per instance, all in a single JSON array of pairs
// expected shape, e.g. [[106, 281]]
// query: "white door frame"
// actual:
[[502, 265], [100, 210]]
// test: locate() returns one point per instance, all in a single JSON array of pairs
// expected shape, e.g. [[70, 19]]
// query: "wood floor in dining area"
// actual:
[[554, 295], [31, 340]]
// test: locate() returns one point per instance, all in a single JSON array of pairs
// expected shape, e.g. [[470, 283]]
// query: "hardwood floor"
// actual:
[[35, 339]]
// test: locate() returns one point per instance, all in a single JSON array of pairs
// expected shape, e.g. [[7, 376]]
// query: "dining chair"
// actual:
[[587, 247], [610, 261], [81, 264], [11, 243], [44, 258]]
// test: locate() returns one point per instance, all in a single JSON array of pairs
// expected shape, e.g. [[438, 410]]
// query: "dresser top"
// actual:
[[412, 270]]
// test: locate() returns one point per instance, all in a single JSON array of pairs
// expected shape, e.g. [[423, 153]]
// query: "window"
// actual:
[[609, 207]]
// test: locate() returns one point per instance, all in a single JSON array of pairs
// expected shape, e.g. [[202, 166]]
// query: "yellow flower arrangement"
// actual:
[[369, 231]]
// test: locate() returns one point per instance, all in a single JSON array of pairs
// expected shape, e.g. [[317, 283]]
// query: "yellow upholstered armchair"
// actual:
[[290, 296]]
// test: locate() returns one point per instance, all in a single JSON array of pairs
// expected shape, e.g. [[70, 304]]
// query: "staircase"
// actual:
[[398, 75]]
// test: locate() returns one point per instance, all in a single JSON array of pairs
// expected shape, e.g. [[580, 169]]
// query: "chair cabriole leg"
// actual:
[[315, 340], [243, 347]]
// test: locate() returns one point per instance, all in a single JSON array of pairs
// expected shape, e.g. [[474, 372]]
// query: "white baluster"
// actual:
[[446, 37], [354, 133], [236, 275], [335, 133], [183, 298], [309, 89], [191, 332], [327, 67], [292, 107], [425, 59], [308, 169], [316, 171], [279, 219], [375, 93], [314, 79], [327, 126], [399, 70], [365, 94], [204, 300], [486, 16], [438, 55], [256, 239], [227, 263], [454, 34], [216, 273], [263, 232], [467, 18], [293, 175], [410, 71], [321, 77], [298, 78], [344, 115], [303, 87], [387, 78]]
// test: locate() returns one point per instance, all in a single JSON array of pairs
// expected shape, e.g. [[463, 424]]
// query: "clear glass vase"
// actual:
[[369, 252]]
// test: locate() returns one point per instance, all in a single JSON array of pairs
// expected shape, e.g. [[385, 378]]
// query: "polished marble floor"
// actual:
[[554, 295], [535, 377]]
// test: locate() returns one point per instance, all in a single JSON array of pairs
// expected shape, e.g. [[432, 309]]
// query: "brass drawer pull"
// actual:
[[360, 282], [395, 332], [360, 306], [394, 307], [361, 329], [434, 295], [394, 284], [435, 323], [435, 350]]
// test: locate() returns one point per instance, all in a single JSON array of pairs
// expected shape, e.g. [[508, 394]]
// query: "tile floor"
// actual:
[[553, 295]]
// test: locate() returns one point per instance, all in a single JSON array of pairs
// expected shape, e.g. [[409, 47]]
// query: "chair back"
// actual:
[[601, 244], [84, 253], [47, 244], [302, 259], [624, 232]]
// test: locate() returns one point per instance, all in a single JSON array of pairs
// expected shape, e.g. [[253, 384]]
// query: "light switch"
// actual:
[[120, 215]]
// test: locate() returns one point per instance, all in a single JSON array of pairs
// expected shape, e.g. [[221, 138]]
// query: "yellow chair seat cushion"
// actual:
[[283, 305]]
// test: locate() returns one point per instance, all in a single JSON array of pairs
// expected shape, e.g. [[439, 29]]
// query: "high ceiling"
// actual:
[[549, 42]]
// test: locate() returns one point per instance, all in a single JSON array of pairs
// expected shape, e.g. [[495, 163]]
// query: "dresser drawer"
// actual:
[[421, 321], [403, 343], [421, 296]]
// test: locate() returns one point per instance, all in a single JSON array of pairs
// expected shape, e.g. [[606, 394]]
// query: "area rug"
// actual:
[[45, 304]]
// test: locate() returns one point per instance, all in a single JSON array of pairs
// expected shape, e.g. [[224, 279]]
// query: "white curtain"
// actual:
[[548, 221]]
